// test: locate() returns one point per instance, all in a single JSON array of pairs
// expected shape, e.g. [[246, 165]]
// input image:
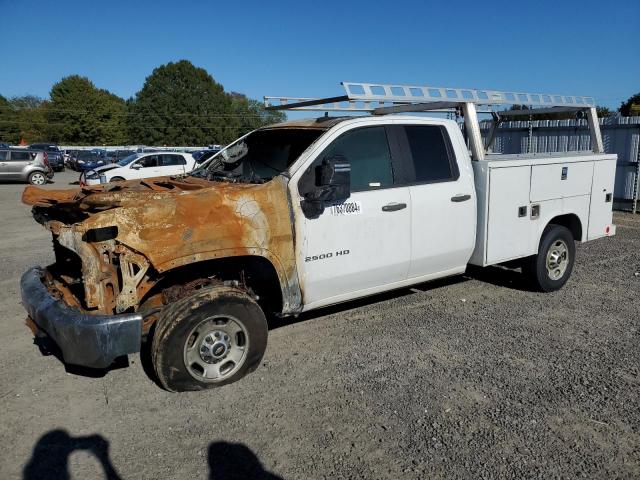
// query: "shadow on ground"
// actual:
[[50, 459]]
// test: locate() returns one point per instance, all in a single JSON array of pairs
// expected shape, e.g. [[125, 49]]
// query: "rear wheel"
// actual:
[[550, 269], [37, 178], [116, 179], [210, 339]]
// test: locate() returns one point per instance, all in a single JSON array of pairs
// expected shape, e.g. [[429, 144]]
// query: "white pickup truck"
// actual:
[[300, 215]]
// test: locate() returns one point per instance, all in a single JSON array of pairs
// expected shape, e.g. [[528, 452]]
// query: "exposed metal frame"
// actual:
[[382, 99]]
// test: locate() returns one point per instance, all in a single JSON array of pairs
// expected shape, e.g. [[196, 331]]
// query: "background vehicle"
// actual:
[[201, 156], [88, 160], [142, 165], [54, 155], [305, 214], [24, 165]]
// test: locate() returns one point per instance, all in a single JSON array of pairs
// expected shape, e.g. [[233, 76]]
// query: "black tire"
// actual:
[[539, 268], [179, 323], [117, 179], [38, 178]]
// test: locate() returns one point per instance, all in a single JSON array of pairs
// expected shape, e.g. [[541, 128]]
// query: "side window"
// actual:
[[432, 156], [367, 150], [171, 160], [3, 155], [148, 161], [20, 156]]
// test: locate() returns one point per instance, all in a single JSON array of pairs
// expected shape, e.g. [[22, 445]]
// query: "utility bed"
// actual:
[[538, 188]]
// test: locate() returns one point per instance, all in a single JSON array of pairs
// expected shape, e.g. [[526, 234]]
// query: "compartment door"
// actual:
[[510, 228], [600, 215]]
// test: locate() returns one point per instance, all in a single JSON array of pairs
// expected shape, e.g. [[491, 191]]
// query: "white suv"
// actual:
[[141, 165]]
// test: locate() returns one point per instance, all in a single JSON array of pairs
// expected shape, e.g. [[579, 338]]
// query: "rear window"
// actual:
[[20, 156], [431, 154], [170, 160]]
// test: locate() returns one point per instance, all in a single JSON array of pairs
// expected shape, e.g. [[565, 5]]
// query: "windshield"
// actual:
[[127, 160], [259, 156]]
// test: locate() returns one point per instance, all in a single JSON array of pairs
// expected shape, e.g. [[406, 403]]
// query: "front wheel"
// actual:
[[117, 179], [209, 339], [37, 178], [550, 269]]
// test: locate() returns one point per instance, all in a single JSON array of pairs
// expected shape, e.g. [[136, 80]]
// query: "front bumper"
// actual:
[[88, 340]]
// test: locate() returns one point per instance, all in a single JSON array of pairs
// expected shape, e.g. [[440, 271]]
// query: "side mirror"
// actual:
[[333, 184], [136, 166]]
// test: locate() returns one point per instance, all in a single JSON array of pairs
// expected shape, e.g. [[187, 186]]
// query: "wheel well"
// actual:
[[256, 274], [570, 221]]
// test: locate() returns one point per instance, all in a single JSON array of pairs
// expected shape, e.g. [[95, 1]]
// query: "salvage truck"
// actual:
[[304, 214]]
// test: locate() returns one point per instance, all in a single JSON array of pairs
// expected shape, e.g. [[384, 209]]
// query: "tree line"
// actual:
[[179, 104]]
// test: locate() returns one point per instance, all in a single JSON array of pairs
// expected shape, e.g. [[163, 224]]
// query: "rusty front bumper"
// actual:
[[84, 339]]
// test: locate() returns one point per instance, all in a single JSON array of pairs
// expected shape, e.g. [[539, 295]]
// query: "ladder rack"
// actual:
[[382, 99]]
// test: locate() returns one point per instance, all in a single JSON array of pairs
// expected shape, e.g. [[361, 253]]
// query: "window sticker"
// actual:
[[347, 208]]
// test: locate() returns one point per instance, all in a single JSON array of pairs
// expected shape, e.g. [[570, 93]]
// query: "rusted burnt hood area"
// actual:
[[114, 242]]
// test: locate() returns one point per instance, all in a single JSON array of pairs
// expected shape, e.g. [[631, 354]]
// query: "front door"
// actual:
[[362, 245]]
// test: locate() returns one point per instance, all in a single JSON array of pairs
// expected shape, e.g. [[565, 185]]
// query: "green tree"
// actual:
[[9, 129], [181, 104], [251, 114], [80, 113], [631, 107]]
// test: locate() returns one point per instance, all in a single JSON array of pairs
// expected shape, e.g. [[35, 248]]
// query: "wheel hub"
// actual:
[[557, 260], [214, 346]]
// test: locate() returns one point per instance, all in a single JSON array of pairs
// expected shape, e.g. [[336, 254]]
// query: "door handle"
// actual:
[[460, 198], [393, 207]]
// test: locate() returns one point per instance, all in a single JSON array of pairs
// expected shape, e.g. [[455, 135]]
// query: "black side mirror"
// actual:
[[333, 184]]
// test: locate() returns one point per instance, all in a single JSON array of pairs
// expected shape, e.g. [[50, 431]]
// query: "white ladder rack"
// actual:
[[381, 99]]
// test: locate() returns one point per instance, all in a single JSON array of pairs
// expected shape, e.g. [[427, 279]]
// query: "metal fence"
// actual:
[[620, 135]]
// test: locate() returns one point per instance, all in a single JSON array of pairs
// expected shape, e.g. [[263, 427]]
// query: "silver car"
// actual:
[[24, 165]]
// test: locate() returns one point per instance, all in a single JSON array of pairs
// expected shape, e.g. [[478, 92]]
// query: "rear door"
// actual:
[[357, 247], [443, 203], [171, 164], [16, 163]]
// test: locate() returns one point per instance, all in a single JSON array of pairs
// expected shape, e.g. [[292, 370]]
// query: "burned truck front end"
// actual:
[[116, 245]]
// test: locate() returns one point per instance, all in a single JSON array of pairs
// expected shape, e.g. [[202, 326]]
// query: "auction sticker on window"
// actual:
[[346, 208]]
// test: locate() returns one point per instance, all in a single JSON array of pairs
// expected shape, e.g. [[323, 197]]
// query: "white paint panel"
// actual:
[[547, 180], [508, 235], [600, 215], [343, 254]]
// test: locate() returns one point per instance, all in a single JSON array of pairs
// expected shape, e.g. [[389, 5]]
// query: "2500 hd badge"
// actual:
[[324, 256]]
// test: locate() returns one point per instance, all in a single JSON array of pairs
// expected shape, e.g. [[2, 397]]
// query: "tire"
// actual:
[[117, 179], [550, 269], [37, 178], [194, 339]]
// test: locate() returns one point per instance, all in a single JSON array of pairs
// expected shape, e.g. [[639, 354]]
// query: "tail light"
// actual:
[[45, 157]]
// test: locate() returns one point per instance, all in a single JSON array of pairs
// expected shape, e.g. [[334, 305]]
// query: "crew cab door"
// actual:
[[443, 200], [363, 244]]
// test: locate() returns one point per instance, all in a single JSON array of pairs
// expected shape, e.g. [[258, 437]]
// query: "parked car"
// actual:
[[89, 160], [141, 165], [202, 156], [24, 165], [54, 154]]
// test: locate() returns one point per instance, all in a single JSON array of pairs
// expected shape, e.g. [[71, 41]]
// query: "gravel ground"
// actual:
[[472, 377]]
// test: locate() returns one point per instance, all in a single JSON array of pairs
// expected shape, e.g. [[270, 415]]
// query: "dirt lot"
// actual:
[[473, 377]]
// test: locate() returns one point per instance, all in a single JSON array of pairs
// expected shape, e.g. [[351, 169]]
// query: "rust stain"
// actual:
[[162, 224]]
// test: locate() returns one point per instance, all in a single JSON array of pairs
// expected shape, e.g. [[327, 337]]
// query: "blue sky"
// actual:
[[301, 48]]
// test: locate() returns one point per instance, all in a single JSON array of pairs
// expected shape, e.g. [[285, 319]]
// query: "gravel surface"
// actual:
[[472, 377]]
